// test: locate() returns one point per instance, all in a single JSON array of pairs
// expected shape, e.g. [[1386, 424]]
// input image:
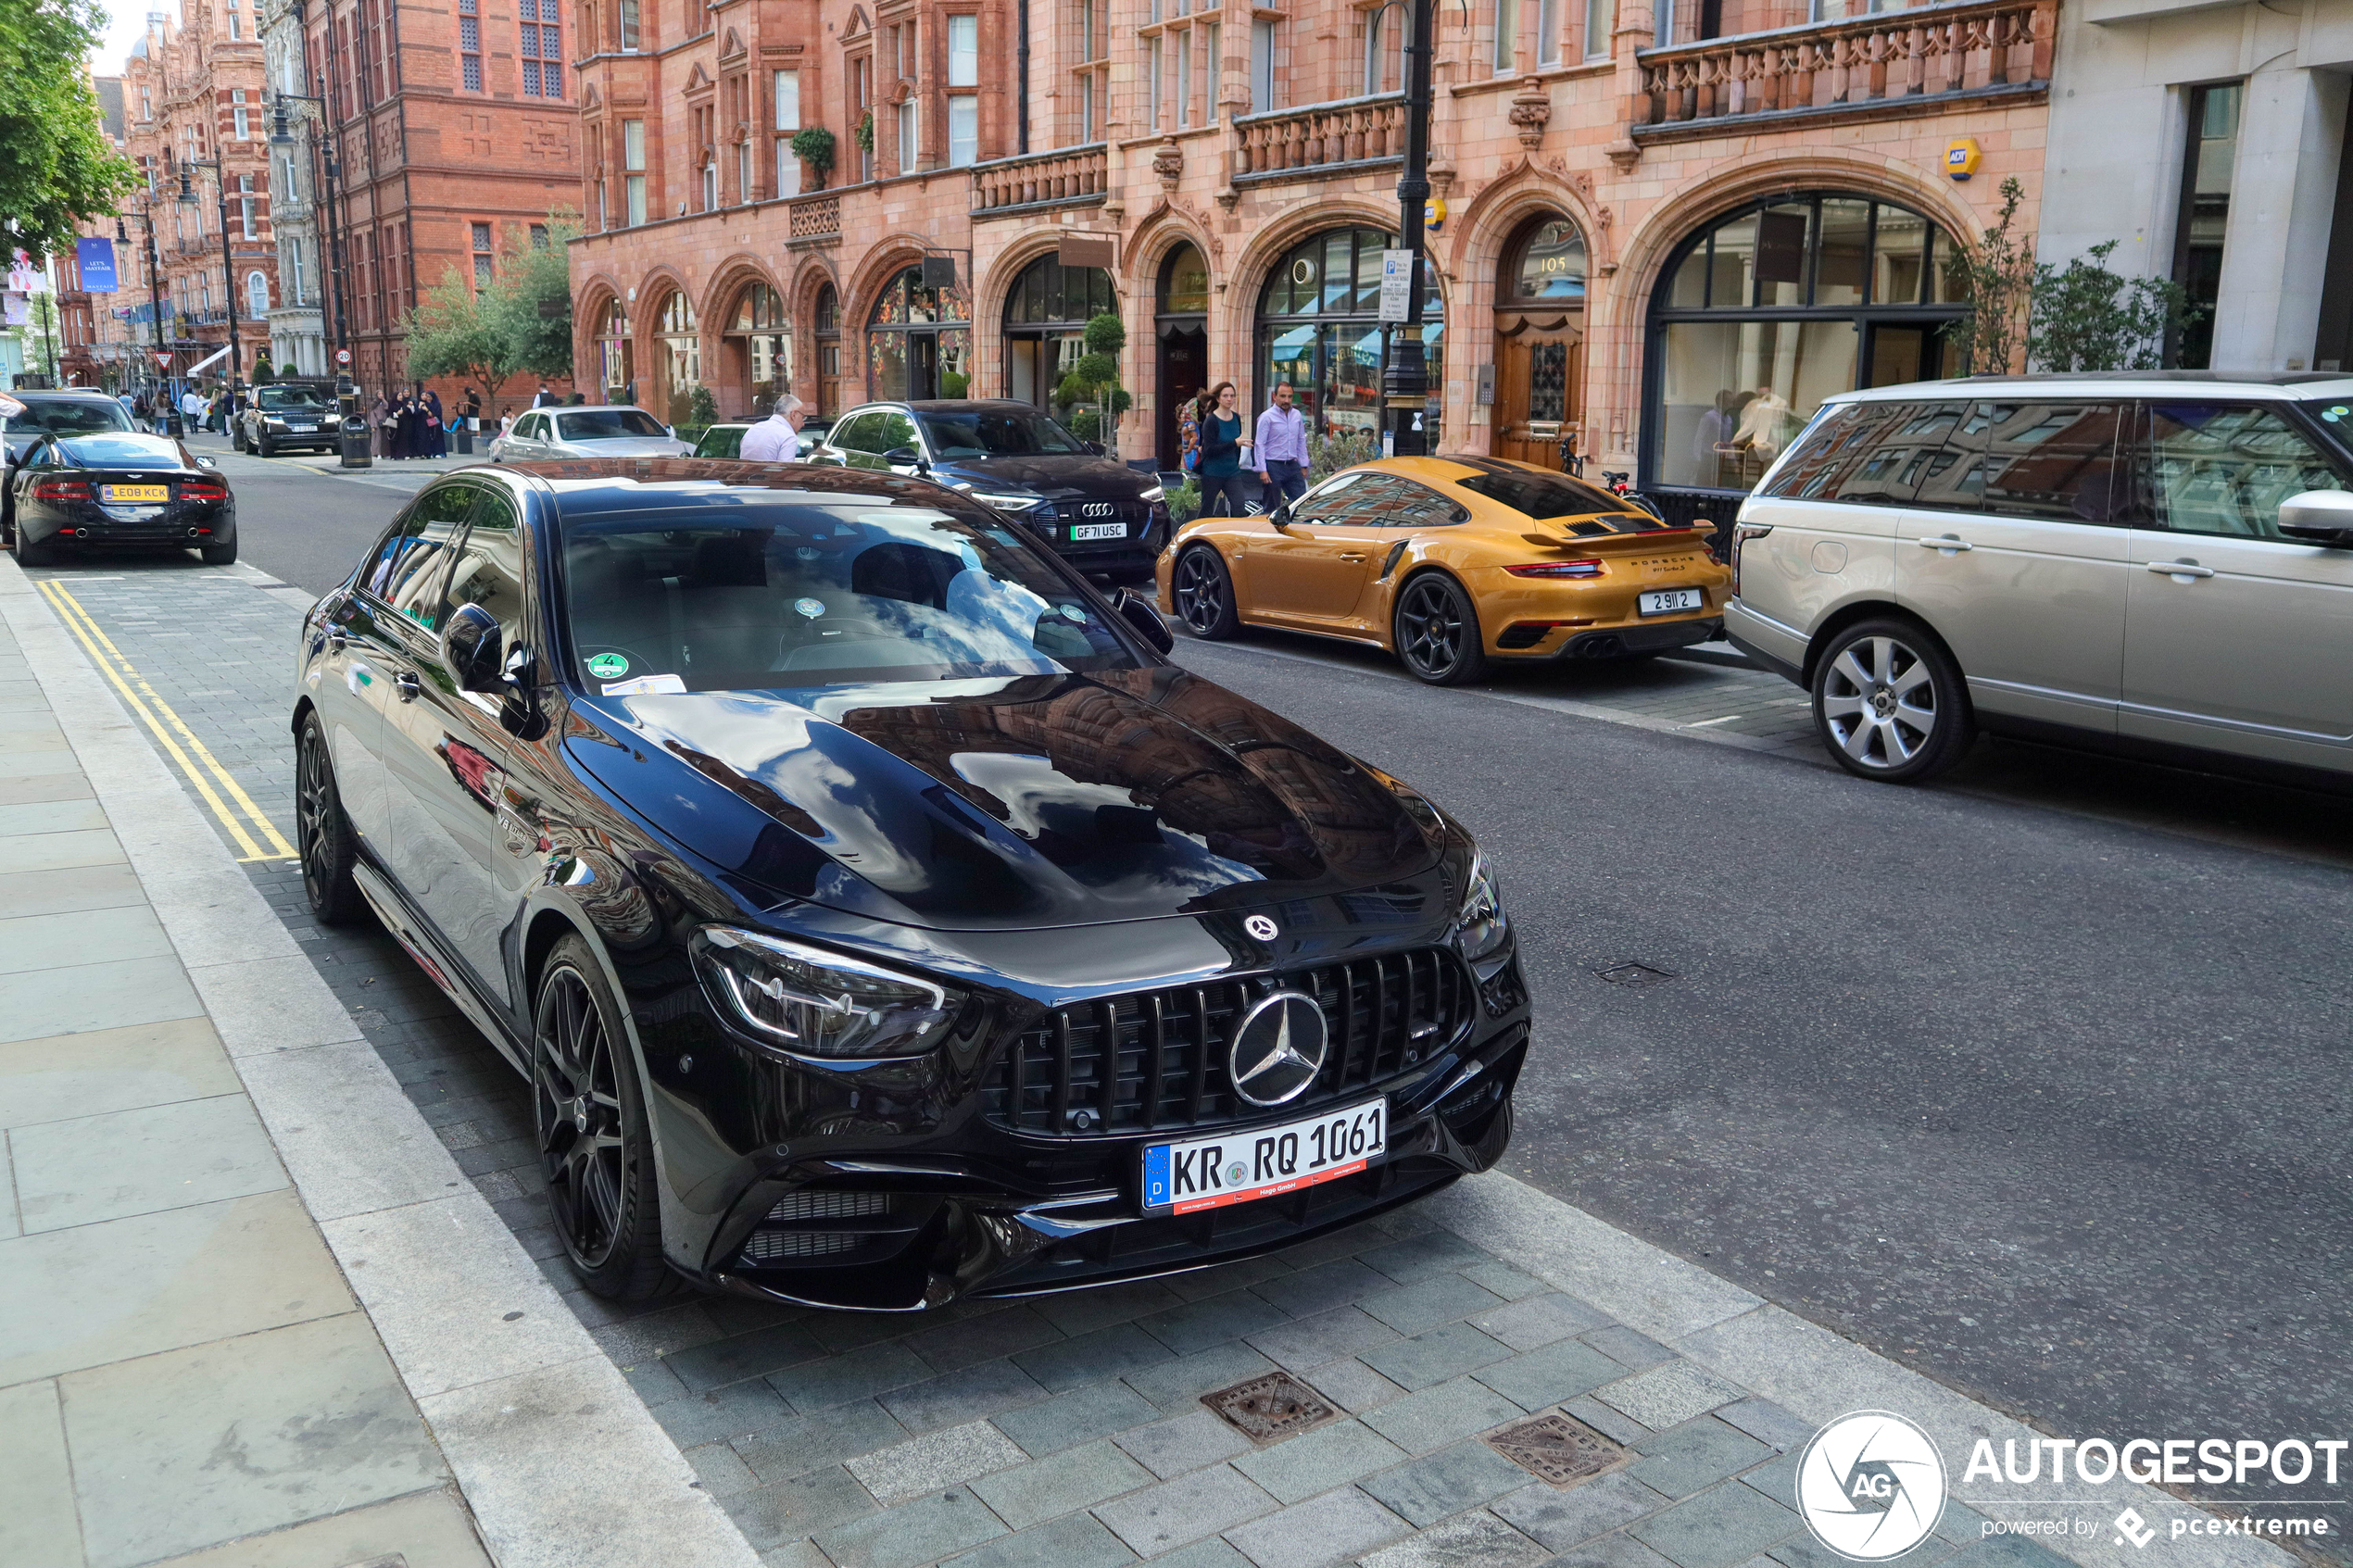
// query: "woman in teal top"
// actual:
[[1222, 443]]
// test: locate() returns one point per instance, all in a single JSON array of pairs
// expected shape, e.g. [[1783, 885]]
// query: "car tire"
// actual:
[[1890, 703], [596, 1151], [221, 555], [263, 449], [237, 438], [1435, 631], [34, 552], [1204, 591], [324, 837]]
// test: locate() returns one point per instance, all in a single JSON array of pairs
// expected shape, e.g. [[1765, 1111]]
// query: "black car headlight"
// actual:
[[809, 1002], [1480, 926]]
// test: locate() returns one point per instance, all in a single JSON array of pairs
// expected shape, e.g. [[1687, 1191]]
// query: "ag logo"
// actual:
[[1261, 927], [1278, 1050], [1871, 1486]]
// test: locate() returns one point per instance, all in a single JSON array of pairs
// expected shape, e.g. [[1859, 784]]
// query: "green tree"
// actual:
[[2086, 318], [531, 297], [454, 332], [1094, 378], [263, 374], [55, 165], [1996, 276], [814, 146]]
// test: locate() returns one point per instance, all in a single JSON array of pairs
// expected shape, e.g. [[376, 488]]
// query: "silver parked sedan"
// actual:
[[603, 431]]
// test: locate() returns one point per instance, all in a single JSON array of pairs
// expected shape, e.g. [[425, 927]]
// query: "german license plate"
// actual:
[[1667, 601], [124, 494], [1263, 1162], [1083, 531]]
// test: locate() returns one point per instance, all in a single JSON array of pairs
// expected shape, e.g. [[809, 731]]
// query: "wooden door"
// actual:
[[1539, 387]]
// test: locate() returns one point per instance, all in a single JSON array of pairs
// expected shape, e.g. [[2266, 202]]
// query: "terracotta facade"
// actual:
[[1159, 127]]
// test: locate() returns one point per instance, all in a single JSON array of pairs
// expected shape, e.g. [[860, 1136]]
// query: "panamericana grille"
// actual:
[[1158, 1058]]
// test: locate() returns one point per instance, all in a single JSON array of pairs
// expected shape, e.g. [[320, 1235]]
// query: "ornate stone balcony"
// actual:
[[813, 218], [1319, 140], [1894, 62], [1069, 177]]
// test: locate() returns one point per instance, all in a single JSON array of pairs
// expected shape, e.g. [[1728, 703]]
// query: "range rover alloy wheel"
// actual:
[[1206, 595], [1890, 704], [594, 1148]]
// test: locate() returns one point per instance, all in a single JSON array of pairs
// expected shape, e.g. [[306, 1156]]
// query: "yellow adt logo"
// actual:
[[1961, 157]]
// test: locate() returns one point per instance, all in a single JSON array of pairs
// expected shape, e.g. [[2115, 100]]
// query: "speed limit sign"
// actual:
[[342, 357]]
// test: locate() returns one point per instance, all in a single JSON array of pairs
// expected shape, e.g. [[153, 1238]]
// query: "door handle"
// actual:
[[2181, 571], [1350, 555], [1947, 544], [405, 687], [336, 641]]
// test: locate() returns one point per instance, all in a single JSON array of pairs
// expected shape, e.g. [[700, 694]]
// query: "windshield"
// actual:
[[996, 432], [608, 424], [817, 590], [106, 451], [1538, 494], [290, 397], [67, 416]]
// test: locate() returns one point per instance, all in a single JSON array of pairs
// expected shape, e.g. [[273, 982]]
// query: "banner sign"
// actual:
[[96, 256]]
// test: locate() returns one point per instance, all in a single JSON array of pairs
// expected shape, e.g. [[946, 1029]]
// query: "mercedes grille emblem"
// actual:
[[1278, 1050], [1261, 927]]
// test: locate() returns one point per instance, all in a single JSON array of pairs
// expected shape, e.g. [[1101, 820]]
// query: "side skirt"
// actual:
[[410, 931]]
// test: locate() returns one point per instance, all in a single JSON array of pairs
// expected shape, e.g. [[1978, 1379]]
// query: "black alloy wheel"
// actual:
[[1890, 703], [594, 1149], [1206, 595], [322, 834], [220, 554], [1437, 632], [34, 552]]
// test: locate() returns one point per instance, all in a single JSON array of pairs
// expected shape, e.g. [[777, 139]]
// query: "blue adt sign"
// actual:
[[96, 256]]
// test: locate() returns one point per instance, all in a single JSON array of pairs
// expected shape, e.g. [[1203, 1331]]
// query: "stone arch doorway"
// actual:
[[1180, 320], [1540, 344]]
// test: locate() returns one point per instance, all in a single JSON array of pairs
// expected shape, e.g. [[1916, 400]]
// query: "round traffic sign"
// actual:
[[342, 357]]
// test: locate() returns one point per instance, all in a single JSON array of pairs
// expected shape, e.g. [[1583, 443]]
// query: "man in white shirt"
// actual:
[[192, 410], [776, 439]]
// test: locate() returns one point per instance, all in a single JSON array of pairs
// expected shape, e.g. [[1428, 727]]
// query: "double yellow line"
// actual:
[[179, 742]]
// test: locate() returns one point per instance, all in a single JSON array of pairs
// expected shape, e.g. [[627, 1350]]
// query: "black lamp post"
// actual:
[[281, 136], [1405, 383], [228, 263], [155, 314]]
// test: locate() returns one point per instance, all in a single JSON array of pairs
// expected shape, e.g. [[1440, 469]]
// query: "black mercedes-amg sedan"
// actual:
[[73, 493], [878, 916]]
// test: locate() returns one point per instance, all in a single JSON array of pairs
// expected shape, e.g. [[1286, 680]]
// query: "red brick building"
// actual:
[[1653, 216]]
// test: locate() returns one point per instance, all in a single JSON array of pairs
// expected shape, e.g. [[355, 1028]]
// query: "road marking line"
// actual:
[[1702, 724], [273, 846]]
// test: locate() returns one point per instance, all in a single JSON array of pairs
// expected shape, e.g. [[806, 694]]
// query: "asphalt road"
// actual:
[[2035, 1080]]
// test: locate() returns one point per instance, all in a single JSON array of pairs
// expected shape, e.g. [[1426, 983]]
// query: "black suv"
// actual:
[[878, 916], [1099, 515], [288, 414]]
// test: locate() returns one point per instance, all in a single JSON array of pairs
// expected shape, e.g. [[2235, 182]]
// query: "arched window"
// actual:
[[756, 343], [1319, 329], [681, 364], [1772, 308], [257, 295], [615, 355], [918, 340], [1046, 317], [1551, 264], [828, 323], [1184, 282]]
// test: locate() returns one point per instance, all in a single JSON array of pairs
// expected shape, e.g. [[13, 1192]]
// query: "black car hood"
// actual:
[[1005, 804], [1100, 478]]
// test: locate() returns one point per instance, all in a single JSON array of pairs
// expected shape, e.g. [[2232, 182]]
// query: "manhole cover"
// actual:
[[1555, 1449], [1631, 973], [1272, 1407]]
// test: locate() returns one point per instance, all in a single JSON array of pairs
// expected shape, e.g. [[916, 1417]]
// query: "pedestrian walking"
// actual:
[[436, 432], [1281, 455], [1224, 450], [776, 439], [544, 398], [377, 412], [190, 409]]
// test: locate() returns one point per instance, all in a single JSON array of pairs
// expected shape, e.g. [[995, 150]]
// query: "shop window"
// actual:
[[1319, 329], [2207, 164]]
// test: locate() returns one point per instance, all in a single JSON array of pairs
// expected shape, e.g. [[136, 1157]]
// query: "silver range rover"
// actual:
[[2160, 563]]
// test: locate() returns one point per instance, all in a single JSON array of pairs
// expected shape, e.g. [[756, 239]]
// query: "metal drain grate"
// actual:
[[1557, 1449], [1270, 1408], [1631, 973]]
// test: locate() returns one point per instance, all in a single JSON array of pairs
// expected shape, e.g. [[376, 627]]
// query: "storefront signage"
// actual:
[[1396, 285], [1090, 250]]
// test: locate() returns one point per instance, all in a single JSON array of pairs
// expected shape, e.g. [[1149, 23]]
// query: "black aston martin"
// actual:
[[878, 916], [70, 494]]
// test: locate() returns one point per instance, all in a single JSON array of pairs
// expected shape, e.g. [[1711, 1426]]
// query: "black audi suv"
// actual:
[[1099, 515], [878, 916]]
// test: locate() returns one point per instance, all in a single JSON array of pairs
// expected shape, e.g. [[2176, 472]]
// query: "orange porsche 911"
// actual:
[[1451, 562]]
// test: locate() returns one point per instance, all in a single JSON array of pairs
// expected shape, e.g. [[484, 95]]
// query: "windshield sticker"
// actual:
[[608, 665], [810, 608], [2335, 412], [1072, 613], [644, 685]]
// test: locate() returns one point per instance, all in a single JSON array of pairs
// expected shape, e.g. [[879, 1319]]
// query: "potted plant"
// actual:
[[814, 147]]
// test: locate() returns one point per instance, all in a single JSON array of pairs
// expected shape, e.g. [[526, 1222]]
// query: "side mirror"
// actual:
[[906, 457], [1144, 616], [470, 647], [1280, 517], [2318, 517], [1094, 448]]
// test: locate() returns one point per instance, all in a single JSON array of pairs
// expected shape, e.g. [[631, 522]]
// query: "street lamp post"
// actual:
[[1405, 383], [228, 263], [154, 313], [281, 135]]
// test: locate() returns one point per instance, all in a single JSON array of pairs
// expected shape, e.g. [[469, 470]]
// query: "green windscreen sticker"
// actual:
[[608, 665]]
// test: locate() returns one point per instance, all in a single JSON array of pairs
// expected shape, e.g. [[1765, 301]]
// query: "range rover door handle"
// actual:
[[2182, 570], [1946, 543], [405, 687]]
